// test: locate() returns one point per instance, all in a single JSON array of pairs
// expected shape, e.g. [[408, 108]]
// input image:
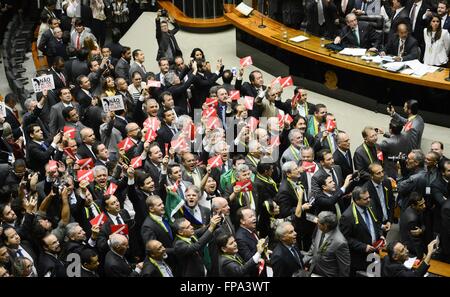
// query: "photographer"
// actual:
[[167, 44], [393, 145]]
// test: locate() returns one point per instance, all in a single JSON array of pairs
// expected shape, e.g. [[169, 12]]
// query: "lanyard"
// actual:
[[158, 222], [368, 153], [355, 215], [235, 259], [305, 140], [294, 187], [156, 265], [267, 181], [316, 126], [252, 160], [386, 197], [250, 198], [185, 239], [294, 153]]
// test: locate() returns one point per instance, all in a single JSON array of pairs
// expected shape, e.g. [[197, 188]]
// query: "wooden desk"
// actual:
[[312, 49], [436, 267]]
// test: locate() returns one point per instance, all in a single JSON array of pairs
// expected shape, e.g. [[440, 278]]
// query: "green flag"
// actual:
[[173, 203]]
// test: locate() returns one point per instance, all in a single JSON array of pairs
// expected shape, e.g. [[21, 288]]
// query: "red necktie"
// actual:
[[63, 79]]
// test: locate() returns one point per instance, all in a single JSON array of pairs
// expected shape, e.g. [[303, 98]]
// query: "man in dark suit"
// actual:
[[85, 149], [77, 240], [198, 215], [414, 180], [154, 264], [392, 264], [12, 115], [115, 263], [34, 116], [177, 88], [444, 12], [367, 153], [253, 88], [412, 226], [361, 229], [84, 95], [246, 236], [122, 68], [167, 130], [381, 195], [59, 76], [79, 66], [204, 80], [358, 34], [56, 118], [286, 257], [89, 263], [153, 164], [50, 264], [118, 216], [329, 254], [343, 8], [393, 144], [327, 167], [138, 64], [301, 106], [416, 9], [167, 43], [321, 18], [440, 192], [17, 247], [292, 190], [39, 152], [48, 35], [56, 46], [402, 45], [342, 156], [399, 14], [189, 245], [330, 197]]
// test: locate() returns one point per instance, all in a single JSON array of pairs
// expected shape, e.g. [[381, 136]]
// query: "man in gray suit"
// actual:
[[56, 117], [412, 126], [329, 254], [123, 64], [79, 34], [138, 64], [393, 144], [293, 152]]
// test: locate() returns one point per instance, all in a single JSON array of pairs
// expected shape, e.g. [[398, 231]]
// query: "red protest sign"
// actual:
[[248, 102], [246, 185], [126, 144], [150, 135], [119, 229], [286, 82], [235, 95], [152, 123], [99, 220], [215, 161], [246, 61], [212, 102], [136, 162], [330, 125], [85, 175], [70, 131], [87, 163], [52, 165], [309, 166]]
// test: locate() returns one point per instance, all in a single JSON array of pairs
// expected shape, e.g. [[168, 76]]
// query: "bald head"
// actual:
[[220, 206]]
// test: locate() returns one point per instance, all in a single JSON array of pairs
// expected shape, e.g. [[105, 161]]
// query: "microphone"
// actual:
[[345, 35]]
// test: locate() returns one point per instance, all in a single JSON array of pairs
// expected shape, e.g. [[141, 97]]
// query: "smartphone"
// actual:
[[438, 241], [390, 106], [376, 130], [266, 241]]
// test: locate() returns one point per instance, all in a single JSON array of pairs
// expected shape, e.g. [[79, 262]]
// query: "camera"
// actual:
[[164, 13], [400, 157], [356, 176]]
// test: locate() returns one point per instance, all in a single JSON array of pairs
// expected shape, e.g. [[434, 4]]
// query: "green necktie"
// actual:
[[356, 36]]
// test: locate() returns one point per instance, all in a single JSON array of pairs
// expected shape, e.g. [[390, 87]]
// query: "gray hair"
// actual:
[[241, 168], [169, 77], [28, 103], [288, 167], [281, 229], [292, 132], [217, 148], [70, 229], [349, 15], [116, 240], [182, 121], [419, 156], [195, 189], [328, 218], [99, 168]]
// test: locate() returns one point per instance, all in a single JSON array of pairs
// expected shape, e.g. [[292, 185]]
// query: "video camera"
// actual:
[[164, 13], [400, 157]]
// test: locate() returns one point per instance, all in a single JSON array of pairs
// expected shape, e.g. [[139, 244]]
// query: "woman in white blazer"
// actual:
[[437, 43]]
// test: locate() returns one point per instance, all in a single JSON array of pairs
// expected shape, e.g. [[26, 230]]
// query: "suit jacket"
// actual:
[[231, 268], [415, 182], [247, 89], [401, 17], [341, 14], [84, 152], [284, 263], [362, 160], [315, 189], [246, 243], [189, 255], [409, 220], [290, 154], [56, 118], [447, 23], [414, 135], [14, 123], [117, 266], [410, 52], [358, 236], [389, 200], [122, 69], [394, 269], [341, 160], [56, 48], [166, 40], [440, 193], [368, 37], [135, 67], [202, 83], [287, 199], [57, 79], [45, 39], [120, 125], [330, 14], [164, 135], [226, 227], [150, 270], [86, 33], [152, 230], [50, 264], [179, 94], [37, 156], [445, 230], [88, 273], [116, 49], [420, 22], [332, 258], [78, 68], [84, 100]]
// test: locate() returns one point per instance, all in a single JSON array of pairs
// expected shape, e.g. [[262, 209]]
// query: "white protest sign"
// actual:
[[2, 109], [44, 82], [112, 103]]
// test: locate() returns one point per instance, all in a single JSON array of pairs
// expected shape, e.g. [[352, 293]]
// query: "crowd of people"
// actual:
[[202, 173]]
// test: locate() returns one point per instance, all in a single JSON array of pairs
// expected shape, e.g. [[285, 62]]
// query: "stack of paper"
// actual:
[[419, 68], [357, 52], [244, 9], [299, 38], [394, 66]]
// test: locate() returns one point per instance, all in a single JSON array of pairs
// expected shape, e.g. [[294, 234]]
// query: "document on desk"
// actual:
[[356, 52], [419, 68], [244, 9], [299, 38], [394, 66]]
